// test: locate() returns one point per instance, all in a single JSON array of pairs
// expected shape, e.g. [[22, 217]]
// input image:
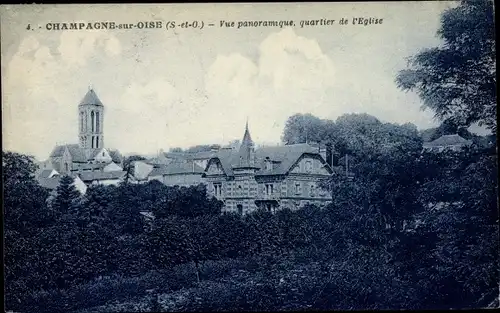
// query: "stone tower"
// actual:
[[90, 121]]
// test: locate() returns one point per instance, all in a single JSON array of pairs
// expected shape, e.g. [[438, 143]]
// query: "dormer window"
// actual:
[[308, 166], [269, 164]]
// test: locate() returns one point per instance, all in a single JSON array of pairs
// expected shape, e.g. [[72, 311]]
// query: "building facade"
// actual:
[[287, 176], [89, 157]]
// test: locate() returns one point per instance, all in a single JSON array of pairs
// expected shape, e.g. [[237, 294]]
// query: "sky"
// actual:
[[182, 87]]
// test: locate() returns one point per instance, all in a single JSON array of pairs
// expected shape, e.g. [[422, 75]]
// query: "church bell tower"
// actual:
[[90, 121]]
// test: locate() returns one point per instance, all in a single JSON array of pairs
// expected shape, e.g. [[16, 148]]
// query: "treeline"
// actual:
[[411, 231]]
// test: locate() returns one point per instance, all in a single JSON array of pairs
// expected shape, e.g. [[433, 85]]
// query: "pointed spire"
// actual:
[[91, 98], [246, 151], [247, 139]]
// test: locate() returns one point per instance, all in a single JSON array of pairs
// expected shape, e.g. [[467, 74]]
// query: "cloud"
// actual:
[[142, 117], [77, 46], [36, 100], [290, 75]]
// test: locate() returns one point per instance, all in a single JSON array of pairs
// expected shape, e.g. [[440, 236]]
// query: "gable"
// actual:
[[103, 156], [112, 167], [214, 167], [66, 154], [310, 164]]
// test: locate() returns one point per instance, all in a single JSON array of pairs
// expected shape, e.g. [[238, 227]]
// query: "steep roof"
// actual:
[[89, 166], [77, 153], [116, 156], [49, 183], [177, 168], [448, 140], [282, 158], [91, 98], [201, 155], [245, 157], [90, 176], [44, 173]]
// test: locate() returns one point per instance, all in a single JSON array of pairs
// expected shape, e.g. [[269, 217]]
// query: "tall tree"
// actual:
[[302, 128], [24, 198], [458, 80], [67, 195]]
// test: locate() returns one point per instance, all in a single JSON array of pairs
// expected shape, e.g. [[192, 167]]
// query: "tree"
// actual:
[[302, 128], [201, 148], [67, 195], [24, 199], [189, 202], [175, 149], [458, 80], [128, 166], [25, 215]]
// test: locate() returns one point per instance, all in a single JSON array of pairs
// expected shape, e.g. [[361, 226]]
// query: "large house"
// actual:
[[447, 142], [286, 176], [89, 159]]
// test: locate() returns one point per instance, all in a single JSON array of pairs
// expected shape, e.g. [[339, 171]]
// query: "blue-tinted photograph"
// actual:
[[249, 157]]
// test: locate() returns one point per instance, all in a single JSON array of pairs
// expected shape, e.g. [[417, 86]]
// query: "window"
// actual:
[[97, 142], [269, 189], [298, 188], [218, 189], [92, 142], [269, 207], [269, 164], [81, 121], [66, 166], [92, 121], [312, 190], [97, 126], [240, 209]]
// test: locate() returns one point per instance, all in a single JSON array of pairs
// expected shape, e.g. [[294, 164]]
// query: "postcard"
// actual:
[[249, 156]]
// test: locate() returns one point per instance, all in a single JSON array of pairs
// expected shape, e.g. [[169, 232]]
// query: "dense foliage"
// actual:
[[428, 243], [458, 79]]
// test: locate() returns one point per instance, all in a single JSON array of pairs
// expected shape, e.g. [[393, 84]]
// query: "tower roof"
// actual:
[[91, 98], [246, 151], [247, 140]]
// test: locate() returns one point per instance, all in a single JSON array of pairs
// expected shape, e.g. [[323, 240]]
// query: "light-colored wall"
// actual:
[[103, 156], [66, 159], [182, 179], [87, 131], [80, 185], [107, 182]]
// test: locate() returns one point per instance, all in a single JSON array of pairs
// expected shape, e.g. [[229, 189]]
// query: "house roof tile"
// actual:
[[90, 176], [448, 140], [282, 158], [177, 168]]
